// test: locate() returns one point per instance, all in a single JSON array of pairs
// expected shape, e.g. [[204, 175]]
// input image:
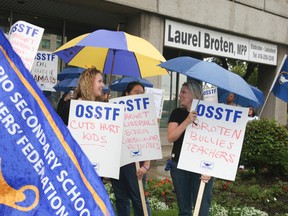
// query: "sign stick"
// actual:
[[141, 190], [199, 199]]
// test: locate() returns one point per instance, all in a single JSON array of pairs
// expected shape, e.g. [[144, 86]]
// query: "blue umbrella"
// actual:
[[70, 72], [211, 73], [73, 83], [120, 84], [242, 101], [66, 84]]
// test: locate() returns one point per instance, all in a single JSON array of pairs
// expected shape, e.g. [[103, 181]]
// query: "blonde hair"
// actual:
[[85, 86], [194, 87]]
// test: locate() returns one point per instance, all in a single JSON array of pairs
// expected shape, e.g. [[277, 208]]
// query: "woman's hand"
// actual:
[[191, 117], [141, 172], [205, 178]]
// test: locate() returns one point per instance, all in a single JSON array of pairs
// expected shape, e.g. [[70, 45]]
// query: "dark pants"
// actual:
[[186, 185], [126, 189]]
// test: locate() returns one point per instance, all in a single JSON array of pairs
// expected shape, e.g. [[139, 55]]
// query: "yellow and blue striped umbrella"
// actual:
[[113, 52]]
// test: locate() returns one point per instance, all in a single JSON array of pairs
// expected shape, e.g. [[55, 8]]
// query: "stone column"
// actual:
[[151, 28]]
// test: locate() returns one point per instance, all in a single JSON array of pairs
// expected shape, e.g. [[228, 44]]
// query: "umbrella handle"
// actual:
[[111, 71], [197, 106]]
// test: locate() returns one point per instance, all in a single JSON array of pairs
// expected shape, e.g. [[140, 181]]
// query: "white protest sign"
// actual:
[[25, 39], [210, 94], [44, 70], [98, 129], [158, 95], [213, 146], [141, 139]]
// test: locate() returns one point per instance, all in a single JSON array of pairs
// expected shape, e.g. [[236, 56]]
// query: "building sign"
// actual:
[[187, 37]]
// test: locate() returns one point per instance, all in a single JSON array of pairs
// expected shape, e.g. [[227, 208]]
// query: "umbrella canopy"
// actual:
[[70, 72], [66, 84], [211, 73], [120, 84], [242, 101], [113, 52]]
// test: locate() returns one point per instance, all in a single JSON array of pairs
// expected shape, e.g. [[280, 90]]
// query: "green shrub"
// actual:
[[163, 190], [265, 147]]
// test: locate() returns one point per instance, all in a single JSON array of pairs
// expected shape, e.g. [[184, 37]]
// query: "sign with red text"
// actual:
[[158, 95], [98, 129], [44, 70], [213, 146], [141, 139], [25, 39]]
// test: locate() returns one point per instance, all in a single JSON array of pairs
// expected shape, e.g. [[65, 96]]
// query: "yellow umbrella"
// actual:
[[113, 52]]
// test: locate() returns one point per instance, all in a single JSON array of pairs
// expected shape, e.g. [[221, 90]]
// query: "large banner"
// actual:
[[98, 129], [212, 146], [25, 39], [43, 169], [141, 139], [44, 70]]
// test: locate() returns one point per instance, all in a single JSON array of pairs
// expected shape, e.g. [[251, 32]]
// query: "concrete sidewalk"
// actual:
[[157, 166]]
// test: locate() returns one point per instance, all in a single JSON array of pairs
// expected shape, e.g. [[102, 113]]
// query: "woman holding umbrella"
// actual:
[[127, 186], [186, 183]]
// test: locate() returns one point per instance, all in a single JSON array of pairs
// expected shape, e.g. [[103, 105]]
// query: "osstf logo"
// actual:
[[135, 153], [207, 165]]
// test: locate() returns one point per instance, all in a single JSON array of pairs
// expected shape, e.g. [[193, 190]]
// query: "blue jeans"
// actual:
[[126, 189], [186, 185]]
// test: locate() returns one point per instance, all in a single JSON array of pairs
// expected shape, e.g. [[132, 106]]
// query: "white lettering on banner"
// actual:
[[33, 156], [183, 36]]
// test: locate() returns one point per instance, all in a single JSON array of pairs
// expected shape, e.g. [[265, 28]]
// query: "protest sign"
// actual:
[[141, 139], [158, 95], [25, 39], [98, 129], [213, 146], [210, 94], [44, 70], [43, 169]]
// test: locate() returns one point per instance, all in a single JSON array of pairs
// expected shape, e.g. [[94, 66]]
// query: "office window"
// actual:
[[45, 44]]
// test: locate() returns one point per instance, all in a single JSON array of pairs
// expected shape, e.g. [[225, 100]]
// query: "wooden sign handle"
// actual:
[[199, 199], [141, 190]]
